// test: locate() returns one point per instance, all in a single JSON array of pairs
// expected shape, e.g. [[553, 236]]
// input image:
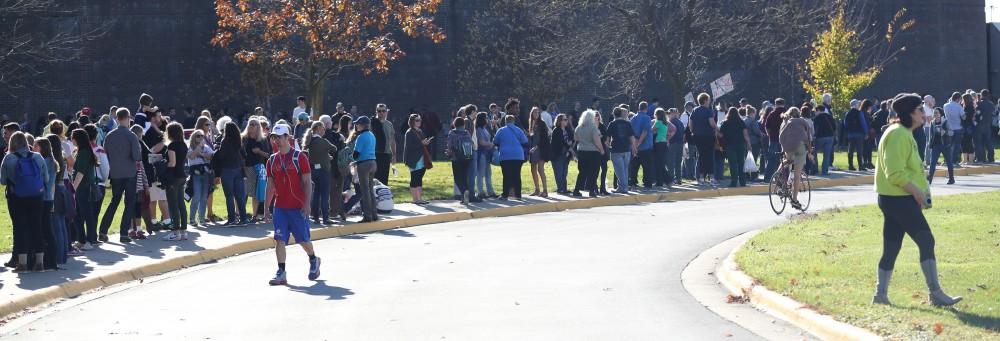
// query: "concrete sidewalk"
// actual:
[[113, 263]]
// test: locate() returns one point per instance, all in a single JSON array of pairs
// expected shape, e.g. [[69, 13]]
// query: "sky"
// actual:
[[992, 15]]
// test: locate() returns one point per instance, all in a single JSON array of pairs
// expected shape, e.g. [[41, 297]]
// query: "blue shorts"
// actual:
[[290, 222]]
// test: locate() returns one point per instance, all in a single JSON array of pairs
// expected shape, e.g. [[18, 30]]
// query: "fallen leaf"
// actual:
[[938, 328], [793, 282]]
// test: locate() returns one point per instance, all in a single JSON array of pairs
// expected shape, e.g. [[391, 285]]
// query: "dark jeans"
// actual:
[[460, 171], [511, 170], [86, 221], [706, 155], [737, 157], [675, 152], [984, 145], [560, 169], [175, 204], [921, 137], [383, 163], [602, 170], [120, 187], [645, 160], [234, 192], [903, 217], [855, 145], [26, 218], [935, 153], [588, 167], [868, 148], [660, 163], [773, 158], [825, 145], [956, 145], [321, 194], [719, 169]]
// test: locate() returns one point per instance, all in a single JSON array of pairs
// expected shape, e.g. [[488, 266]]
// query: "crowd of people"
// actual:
[[163, 173]]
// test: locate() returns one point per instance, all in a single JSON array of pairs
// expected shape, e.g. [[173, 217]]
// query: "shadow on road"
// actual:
[[321, 289]]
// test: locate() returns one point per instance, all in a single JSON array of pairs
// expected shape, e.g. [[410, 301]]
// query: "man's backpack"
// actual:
[[28, 180], [295, 161], [463, 149]]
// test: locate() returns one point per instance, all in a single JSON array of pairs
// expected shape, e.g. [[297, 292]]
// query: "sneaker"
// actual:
[[173, 236], [279, 278], [140, 235], [87, 247], [125, 240], [314, 269], [102, 238], [184, 235], [74, 252]]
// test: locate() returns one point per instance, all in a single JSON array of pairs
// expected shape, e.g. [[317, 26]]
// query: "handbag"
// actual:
[[750, 165]]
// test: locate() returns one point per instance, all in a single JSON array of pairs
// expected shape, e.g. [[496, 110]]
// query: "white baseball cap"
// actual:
[[280, 130]]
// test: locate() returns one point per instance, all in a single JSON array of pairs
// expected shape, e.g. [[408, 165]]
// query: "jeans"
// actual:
[[855, 145], [234, 192], [175, 204], [936, 151], [921, 137], [719, 171], [320, 194], [366, 171], [484, 175], [86, 221], [471, 172], [773, 158], [690, 164], [560, 169], [119, 188], [460, 171], [737, 157], [825, 145], [199, 201], [956, 145], [984, 145], [675, 152], [620, 162], [660, 163], [511, 170]]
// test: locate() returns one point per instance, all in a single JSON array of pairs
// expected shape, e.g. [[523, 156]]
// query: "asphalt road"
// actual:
[[611, 273]]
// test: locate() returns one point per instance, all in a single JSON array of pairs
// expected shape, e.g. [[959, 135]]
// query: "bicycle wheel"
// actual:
[[776, 195], [807, 191]]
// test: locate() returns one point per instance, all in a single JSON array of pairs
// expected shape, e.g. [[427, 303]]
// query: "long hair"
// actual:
[[82, 144], [587, 119], [412, 121], [533, 121], [482, 120], [254, 123], [197, 139], [175, 132], [58, 128], [732, 114], [55, 147], [661, 115], [231, 135], [344, 126], [202, 121], [316, 126]]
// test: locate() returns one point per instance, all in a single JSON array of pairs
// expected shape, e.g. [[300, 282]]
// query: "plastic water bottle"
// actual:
[[395, 173], [928, 203]]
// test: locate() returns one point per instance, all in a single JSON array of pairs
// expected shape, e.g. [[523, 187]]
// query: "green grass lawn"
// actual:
[[828, 261]]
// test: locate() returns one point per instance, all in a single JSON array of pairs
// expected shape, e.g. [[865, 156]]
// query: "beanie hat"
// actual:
[[905, 103]]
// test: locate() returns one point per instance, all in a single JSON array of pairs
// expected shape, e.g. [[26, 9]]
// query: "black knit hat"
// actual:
[[905, 103]]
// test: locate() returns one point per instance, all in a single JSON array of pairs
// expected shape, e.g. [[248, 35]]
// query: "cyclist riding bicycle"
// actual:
[[796, 141]]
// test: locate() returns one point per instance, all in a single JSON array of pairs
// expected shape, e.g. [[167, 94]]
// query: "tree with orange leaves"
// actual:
[[314, 40]]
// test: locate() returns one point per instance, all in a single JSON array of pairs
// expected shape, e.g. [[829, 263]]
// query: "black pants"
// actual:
[[706, 155], [588, 166], [602, 169], [86, 220], [26, 218], [48, 236], [511, 170], [120, 187], [660, 163], [855, 145], [460, 171], [645, 160], [417, 178], [903, 216], [175, 204], [383, 163]]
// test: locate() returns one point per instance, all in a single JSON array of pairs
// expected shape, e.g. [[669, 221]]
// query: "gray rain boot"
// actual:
[[937, 297], [882, 288]]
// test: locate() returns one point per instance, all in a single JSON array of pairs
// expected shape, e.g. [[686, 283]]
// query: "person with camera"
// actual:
[[902, 193]]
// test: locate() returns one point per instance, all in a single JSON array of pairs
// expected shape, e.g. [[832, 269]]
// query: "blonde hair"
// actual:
[[791, 113], [260, 130], [198, 135], [587, 119], [316, 125]]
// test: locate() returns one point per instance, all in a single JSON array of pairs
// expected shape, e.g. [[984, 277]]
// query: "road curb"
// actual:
[[740, 284], [76, 287]]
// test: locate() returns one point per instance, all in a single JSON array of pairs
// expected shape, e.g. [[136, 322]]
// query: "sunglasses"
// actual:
[[381, 110]]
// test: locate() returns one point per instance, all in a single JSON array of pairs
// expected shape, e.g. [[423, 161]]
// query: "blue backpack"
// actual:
[[28, 182]]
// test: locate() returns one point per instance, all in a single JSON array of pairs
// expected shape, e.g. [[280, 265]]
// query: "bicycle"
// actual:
[[780, 189]]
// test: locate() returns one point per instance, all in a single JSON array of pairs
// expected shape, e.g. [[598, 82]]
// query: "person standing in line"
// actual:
[[385, 152], [85, 189], [623, 147], [300, 108], [257, 150], [342, 169], [825, 136], [145, 172], [538, 155], [562, 151], [675, 147], [857, 130], [929, 106], [459, 149], [662, 130], [704, 132], [153, 138], [756, 135], [230, 159], [903, 193], [602, 162], [61, 246], [734, 132], [289, 187], [124, 153], [589, 148], [690, 161], [25, 174], [871, 139], [177, 152], [414, 152], [468, 113], [484, 156], [940, 143], [953, 113], [642, 127], [364, 161], [986, 109], [968, 127], [103, 170], [772, 127], [548, 115], [199, 160], [321, 151], [511, 141]]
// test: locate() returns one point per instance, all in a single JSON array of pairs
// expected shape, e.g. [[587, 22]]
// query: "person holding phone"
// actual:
[[414, 152]]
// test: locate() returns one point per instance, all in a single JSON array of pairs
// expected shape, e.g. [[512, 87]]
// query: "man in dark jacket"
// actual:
[[772, 127], [986, 109], [124, 154]]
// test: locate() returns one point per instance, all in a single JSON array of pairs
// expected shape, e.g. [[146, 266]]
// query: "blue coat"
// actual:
[[511, 140]]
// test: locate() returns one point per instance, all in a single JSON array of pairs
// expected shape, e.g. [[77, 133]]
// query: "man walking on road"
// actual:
[[124, 154], [289, 184]]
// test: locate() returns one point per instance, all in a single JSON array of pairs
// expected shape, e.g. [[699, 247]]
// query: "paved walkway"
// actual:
[[113, 257]]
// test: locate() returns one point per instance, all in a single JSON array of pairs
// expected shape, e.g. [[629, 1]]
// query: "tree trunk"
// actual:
[[316, 92]]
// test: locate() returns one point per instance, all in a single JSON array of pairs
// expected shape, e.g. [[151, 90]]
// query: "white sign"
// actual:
[[689, 98], [722, 86]]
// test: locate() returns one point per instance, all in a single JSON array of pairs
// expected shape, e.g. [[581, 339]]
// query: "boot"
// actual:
[[937, 297], [951, 177], [882, 288]]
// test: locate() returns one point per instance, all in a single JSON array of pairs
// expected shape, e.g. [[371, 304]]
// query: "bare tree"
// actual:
[[26, 48]]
